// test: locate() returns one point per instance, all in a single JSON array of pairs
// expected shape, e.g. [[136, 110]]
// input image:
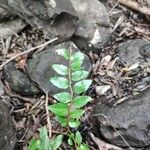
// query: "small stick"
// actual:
[[48, 119], [28, 51], [135, 6]]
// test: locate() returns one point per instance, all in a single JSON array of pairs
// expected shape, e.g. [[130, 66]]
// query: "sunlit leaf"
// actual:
[[60, 82], [59, 109], [77, 60], [78, 75], [74, 123], [63, 97], [81, 101], [56, 142], [62, 121], [60, 69], [63, 52], [70, 142], [83, 147], [77, 114], [77, 56], [78, 138], [44, 140], [34, 144], [82, 86]]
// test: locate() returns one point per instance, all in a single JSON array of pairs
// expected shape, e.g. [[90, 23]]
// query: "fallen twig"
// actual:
[[135, 6], [28, 51], [48, 119]]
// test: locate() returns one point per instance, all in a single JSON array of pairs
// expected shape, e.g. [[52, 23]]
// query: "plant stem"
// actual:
[[48, 119], [71, 90]]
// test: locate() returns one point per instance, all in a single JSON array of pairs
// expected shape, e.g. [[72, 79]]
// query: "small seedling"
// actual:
[[68, 108]]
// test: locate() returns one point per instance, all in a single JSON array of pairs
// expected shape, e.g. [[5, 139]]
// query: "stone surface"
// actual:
[[56, 18], [19, 81], [93, 26], [132, 51], [4, 14], [131, 119], [7, 132], [39, 67], [8, 28]]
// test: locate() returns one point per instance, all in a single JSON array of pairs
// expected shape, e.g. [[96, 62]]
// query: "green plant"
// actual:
[[44, 143], [68, 108]]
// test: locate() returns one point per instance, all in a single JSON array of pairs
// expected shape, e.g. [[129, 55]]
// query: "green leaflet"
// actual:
[[59, 109], [63, 52], [82, 86], [74, 123], [78, 138], [63, 97], [81, 101], [76, 114], [60, 82], [60, 69], [56, 142], [78, 75], [34, 144], [62, 121], [77, 60]]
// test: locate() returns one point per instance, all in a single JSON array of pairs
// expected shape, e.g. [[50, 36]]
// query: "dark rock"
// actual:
[[19, 81], [4, 14], [94, 25], [10, 27], [132, 51], [130, 118], [44, 14], [39, 67], [7, 132]]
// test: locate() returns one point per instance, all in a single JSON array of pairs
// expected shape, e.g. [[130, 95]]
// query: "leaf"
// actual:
[[78, 75], [82, 86], [44, 140], [75, 66], [77, 60], [81, 101], [34, 144], [59, 109], [63, 97], [56, 142], [70, 142], [62, 121], [83, 147], [63, 52], [77, 56], [74, 123], [60, 82], [60, 69], [78, 138], [77, 114]]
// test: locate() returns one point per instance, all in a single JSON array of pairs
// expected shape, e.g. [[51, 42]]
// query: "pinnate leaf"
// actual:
[[82, 86], [60, 69], [63, 52], [59, 109], [63, 97], [81, 101], [78, 75], [60, 82]]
